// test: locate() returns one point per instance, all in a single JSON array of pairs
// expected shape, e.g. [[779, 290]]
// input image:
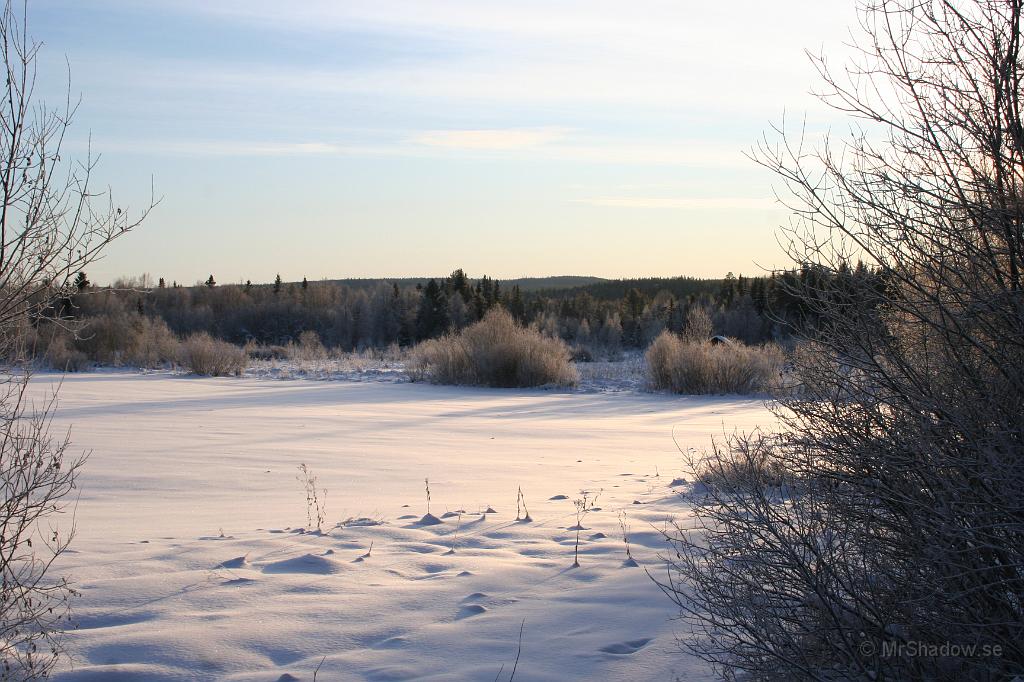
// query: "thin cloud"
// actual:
[[510, 145], [488, 139], [201, 148]]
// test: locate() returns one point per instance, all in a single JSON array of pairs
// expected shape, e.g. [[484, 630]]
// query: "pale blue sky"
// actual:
[[411, 137]]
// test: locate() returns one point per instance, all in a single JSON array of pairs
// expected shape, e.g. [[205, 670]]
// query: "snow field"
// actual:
[[195, 561]]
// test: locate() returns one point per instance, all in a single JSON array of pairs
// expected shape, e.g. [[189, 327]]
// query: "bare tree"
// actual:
[[52, 225], [893, 547]]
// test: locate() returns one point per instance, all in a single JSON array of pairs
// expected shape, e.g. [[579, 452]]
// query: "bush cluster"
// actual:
[[119, 340], [700, 367], [496, 352], [204, 354]]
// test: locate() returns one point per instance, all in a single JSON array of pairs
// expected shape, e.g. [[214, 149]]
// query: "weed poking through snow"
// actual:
[[584, 506], [455, 537], [630, 561], [428, 518], [522, 513], [316, 498], [519, 652]]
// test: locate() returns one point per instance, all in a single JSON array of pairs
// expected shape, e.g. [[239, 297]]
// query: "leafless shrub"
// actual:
[[104, 338], [257, 351], [742, 462], [701, 367], [60, 352], [203, 354], [699, 327], [494, 352], [151, 344], [308, 349], [35, 478], [903, 452]]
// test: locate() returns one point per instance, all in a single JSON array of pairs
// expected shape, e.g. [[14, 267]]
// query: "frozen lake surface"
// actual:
[[195, 562]]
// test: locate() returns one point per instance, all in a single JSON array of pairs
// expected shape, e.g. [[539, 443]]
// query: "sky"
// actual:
[[330, 139]]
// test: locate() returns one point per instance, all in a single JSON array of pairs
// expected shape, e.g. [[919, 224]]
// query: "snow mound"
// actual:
[[307, 563]]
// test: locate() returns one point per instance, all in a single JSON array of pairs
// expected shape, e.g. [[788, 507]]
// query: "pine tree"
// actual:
[[81, 282], [277, 284], [305, 284], [432, 317], [633, 306], [487, 291], [210, 282], [728, 290], [161, 284], [516, 306], [458, 282]]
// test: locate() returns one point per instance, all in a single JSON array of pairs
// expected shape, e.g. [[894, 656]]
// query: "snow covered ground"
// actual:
[[193, 565]]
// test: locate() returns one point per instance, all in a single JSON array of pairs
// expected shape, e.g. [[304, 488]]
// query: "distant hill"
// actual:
[[567, 286], [559, 282], [612, 289]]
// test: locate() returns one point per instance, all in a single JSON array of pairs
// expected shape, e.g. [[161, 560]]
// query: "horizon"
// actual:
[[340, 137], [169, 281]]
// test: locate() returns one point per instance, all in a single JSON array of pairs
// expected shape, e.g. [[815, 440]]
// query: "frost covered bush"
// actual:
[[151, 344], [258, 351], [497, 352], [116, 340], [742, 463], [104, 338], [203, 354], [61, 354], [308, 349], [699, 367]]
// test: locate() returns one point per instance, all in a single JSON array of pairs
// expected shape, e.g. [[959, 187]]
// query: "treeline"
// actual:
[[597, 320]]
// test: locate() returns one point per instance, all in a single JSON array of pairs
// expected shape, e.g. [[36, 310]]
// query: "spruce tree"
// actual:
[[432, 317], [210, 282], [516, 306], [728, 290], [81, 282], [277, 284]]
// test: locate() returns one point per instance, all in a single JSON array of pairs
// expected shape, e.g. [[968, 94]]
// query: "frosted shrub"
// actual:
[[694, 367], [496, 352], [152, 344], [104, 338], [204, 354], [63, 356], [308, 349], [698, 325]]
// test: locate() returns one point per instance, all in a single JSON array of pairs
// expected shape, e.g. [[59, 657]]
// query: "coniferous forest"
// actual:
[[597, 318]]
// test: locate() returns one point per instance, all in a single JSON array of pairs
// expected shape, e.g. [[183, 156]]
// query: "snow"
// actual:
[[193, 562]]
